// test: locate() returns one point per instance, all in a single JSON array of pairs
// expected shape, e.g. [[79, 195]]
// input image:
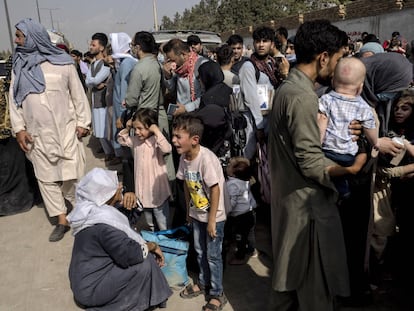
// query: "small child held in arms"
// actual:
[[149, 146], [241, 218], [337, 109], [205, 192]]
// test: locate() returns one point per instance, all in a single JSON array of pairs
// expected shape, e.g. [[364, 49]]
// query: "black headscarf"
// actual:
[[216, 91], [210, 74], [212, 106]]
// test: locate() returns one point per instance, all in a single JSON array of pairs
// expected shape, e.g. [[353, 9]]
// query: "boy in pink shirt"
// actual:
[[204, 189]]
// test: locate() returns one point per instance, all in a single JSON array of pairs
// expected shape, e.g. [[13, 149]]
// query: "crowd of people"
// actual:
[[185, 130]]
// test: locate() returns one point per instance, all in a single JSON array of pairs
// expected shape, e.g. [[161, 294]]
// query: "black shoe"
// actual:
[[58, 233]]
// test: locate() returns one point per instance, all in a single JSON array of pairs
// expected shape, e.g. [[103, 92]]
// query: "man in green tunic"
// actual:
[[310, 266]]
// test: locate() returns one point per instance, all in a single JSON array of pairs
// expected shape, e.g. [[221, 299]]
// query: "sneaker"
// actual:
[[58, 233]]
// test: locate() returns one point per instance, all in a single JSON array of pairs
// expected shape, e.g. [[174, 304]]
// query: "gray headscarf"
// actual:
[[37, 48], [386, 73], [92, 193]]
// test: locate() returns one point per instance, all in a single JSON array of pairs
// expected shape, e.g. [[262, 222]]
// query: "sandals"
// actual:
[[188, 292], [209, 306]]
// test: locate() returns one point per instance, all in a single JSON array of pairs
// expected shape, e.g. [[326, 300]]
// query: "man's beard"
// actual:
[[324, 81]]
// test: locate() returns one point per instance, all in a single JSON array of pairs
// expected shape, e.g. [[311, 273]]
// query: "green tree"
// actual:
[[166, 23], [226, 15]]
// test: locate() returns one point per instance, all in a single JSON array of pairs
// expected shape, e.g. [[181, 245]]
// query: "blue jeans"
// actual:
[[341, 182], [209, 256]]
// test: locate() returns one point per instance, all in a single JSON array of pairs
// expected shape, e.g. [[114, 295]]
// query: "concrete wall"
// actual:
[[381, 25], [380, 17]]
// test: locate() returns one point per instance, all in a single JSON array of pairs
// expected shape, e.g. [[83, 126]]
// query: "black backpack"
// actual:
[[236, 67]]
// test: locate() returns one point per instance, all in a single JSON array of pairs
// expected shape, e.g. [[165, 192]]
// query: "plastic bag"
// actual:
[[174, 246]]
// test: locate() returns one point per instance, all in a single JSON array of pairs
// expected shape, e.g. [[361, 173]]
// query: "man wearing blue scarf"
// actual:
[[50, 114]]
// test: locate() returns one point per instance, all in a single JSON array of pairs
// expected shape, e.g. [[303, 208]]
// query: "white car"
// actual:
[[206, 37]]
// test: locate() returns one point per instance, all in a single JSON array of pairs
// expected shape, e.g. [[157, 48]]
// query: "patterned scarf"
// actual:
[[267, 66], [187, 71]]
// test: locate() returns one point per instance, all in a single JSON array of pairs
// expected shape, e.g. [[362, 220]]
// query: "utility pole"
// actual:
[[154, 8], [8, 24], [38, 11], [51, 16]]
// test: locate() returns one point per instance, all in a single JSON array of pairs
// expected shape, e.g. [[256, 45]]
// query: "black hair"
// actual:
[[278, 44], [395, 34], [146, 116], [318, 36], [77, 53], [101, 37], [189, 123], [263, 32], [224, 54], [291, 40], [371, 38], [234, 39], [282, 31], [242, 170], [193, 40], [146, 41], [177, 46]]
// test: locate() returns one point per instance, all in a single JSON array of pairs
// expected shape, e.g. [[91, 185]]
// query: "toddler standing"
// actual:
[[241, 218], [149, 146]]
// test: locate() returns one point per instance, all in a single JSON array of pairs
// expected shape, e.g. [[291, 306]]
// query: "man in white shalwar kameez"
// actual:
[[50, 114]]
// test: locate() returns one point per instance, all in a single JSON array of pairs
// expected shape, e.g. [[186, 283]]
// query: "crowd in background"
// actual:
[[134, 95]]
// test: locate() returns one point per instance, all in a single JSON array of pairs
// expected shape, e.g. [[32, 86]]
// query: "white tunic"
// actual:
[[51, 119]]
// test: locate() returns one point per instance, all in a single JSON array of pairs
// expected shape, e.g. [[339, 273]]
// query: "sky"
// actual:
[[80, 19]]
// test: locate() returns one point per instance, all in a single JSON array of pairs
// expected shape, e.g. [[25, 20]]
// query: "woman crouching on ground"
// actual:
[[112, 267]]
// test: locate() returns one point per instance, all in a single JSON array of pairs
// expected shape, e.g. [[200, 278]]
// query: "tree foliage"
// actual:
[[225, 15]]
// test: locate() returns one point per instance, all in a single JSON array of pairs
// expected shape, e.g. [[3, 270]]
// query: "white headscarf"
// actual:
[[120, 45], [92, 192]]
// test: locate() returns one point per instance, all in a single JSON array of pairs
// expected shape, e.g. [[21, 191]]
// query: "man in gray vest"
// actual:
[[96, 80]]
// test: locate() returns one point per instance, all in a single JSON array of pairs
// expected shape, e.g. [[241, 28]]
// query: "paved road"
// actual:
[[34, 272]]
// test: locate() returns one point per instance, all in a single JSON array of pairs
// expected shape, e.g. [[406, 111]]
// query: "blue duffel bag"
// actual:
[[174, 245]]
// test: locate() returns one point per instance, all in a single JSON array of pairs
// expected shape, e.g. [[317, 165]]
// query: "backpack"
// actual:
[[236, 67], [236, 118], [237, 124]]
